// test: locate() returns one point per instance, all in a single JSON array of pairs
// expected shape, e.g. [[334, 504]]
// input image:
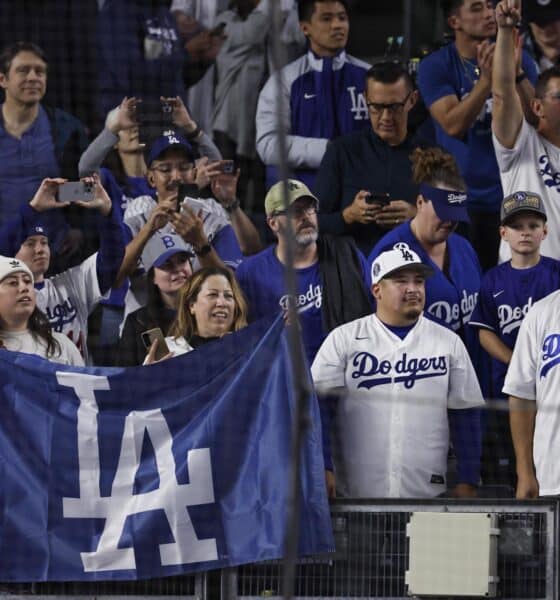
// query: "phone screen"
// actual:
[[376, 198]]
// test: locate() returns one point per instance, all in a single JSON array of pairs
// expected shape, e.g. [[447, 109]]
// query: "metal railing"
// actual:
[[370, 561]]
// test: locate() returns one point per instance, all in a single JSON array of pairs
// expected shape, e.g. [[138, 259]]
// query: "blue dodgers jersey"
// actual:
[[448, 300], [445, 73], [506, 295], [262, 279]]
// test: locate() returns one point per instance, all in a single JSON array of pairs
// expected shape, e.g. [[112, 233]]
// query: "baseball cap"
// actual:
[[162, 246], [13, 265], [399, 257], [521, 202], [274, 200], [169, 139], [30, 229], [541, 12]]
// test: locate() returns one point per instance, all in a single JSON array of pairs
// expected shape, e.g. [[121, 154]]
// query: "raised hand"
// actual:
[[508, 13], [123, 116], [45, 197]]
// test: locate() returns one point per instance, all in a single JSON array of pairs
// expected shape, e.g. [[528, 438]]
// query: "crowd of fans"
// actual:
[[160, 233]]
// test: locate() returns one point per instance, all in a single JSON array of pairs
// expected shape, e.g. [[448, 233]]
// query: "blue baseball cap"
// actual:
[[169, 139], [34, 229], [449, 205]]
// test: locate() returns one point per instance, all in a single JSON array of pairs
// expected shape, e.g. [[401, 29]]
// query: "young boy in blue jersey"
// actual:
[[506, 294]]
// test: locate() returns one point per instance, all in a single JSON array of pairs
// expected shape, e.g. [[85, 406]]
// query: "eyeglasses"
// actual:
[[296, 211], [167, 168], [395, 108]]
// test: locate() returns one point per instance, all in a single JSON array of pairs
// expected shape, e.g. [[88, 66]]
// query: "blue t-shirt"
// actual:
[[446, 73], [262, 278], [449, 299], [506, 294]]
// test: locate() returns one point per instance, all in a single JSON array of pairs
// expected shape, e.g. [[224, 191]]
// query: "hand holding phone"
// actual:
[[73, 191], [160, 350], [378, 198]]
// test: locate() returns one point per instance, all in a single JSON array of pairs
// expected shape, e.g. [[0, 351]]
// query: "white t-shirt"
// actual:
[[534, 374], [68, 298], [391, 425], [533, 165], [25, 341]]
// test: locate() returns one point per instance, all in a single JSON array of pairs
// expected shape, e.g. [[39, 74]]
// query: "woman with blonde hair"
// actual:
[[211, 304]]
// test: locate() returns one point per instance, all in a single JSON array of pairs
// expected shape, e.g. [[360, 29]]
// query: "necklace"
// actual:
[[467, 66]]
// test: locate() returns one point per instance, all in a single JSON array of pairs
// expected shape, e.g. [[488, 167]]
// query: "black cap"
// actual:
[[541, 12]]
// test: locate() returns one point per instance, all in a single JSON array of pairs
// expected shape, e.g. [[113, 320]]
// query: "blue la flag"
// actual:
[[144, 472]]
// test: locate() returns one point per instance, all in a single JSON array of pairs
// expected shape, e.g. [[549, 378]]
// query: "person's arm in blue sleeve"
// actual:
[[111, 249], [466, 436], [227, 247]]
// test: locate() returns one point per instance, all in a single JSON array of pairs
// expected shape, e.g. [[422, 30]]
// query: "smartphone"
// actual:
[[148, 338], [376, 198], [186, 190], [71, 191], [153, 117], [153, 111]]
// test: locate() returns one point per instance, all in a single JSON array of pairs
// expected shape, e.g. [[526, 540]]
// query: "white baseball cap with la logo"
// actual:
[[399, 257]]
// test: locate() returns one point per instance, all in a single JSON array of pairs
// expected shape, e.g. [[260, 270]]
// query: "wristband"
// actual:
[[203, 250], [520, 78], [233, 206], [194, 134]]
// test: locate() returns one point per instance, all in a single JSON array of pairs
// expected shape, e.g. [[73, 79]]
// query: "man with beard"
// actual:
[[396, 374], [331, 272]]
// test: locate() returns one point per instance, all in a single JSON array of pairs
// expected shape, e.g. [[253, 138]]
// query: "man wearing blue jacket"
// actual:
[[322, 94]]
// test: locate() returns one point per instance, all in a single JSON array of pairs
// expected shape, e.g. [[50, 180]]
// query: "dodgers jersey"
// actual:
[[392, 423], [506, 295], [262, 279], [452, 299], [534, 374], [68, 298], [533, 165]]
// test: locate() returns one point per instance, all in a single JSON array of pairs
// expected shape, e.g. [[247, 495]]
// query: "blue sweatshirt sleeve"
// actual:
[[466, 436], [327, 407], [111, 249]]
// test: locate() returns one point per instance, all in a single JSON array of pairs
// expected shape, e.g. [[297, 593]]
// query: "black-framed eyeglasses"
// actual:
[[395, 108], [296, 211]]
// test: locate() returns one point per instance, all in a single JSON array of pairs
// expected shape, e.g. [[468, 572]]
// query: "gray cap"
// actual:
[[162, 246], [521, 202]]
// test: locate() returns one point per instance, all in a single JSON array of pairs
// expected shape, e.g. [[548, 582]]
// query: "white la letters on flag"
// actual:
[[171, 497]]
